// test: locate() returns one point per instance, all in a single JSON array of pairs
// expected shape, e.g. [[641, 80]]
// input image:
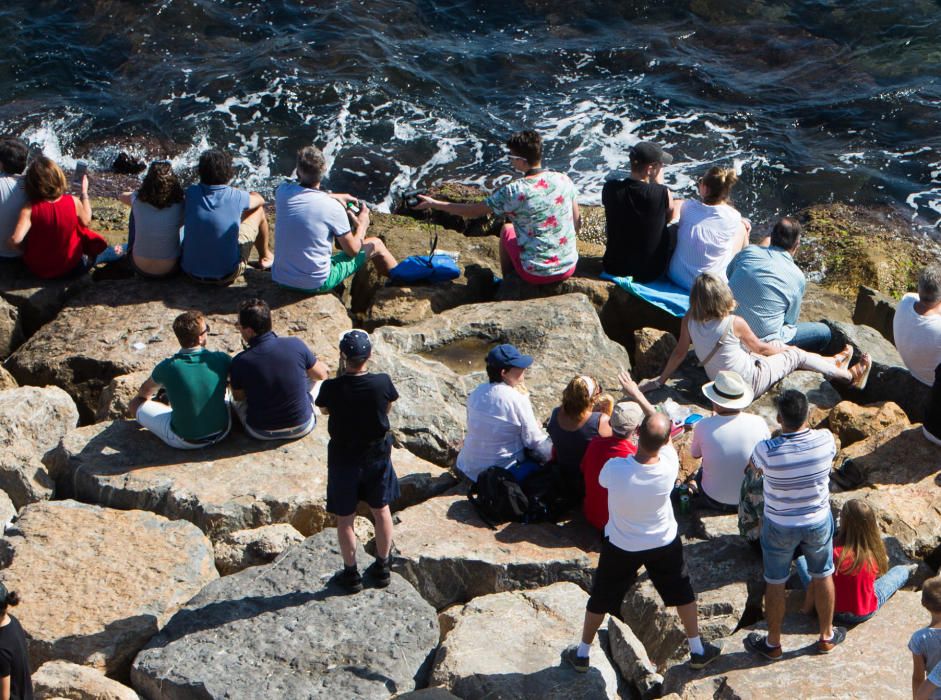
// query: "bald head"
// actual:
[[654, 432]]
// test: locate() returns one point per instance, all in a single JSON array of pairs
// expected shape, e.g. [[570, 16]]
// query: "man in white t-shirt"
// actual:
[[917, 332], [307, 223], [642, 531], [13, 154], [725, 442]]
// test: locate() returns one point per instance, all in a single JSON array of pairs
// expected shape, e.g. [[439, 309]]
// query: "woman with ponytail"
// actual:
[[710, 232], [15, 682]]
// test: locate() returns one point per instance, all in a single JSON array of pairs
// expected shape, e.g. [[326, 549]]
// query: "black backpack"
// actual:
[[546, 492], [498, 498]]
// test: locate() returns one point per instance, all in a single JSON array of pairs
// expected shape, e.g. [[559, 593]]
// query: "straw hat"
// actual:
[[729, 390]]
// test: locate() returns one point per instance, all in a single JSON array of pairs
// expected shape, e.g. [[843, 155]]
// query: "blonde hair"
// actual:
[[604, 404], [860, 538], [577, 396], [718, 183], [710, 299], [44, 181]]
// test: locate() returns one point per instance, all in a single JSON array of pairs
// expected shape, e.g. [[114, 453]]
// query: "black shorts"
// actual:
[[360, 474], [617, 572]]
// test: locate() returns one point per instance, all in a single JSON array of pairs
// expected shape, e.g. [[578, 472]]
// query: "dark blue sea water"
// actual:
[[811, 100]]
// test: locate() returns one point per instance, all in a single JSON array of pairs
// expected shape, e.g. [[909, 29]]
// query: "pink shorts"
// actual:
[[512, 248]]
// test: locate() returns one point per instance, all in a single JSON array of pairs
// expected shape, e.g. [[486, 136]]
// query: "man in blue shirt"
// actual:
[[769, 288], [275, 380], [221, 224]]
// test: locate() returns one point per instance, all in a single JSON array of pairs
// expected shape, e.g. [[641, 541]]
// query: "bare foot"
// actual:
[[266, 262]]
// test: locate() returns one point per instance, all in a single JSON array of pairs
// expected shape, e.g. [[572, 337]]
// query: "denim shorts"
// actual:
[[780, 544]]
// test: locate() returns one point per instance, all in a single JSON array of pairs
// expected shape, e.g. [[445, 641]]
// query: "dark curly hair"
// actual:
[[215, 167], [160, 187]]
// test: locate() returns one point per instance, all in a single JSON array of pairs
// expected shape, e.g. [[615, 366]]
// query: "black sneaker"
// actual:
[[380, 571], [571, 657], [710, 652], [826, 646], [757, 643], [350, 579]]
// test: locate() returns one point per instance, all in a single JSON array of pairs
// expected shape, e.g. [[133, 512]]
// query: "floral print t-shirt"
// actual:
[[540, 208]]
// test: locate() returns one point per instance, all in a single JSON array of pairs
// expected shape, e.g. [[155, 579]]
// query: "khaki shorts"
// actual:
[[248, 232]]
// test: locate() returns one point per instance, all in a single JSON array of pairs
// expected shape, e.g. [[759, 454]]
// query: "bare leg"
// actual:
[[824, 596], [774, 611], [382, 518], [808, 606], [379, 255], [347, 538], [590, 627], [689, 619], [265, 256]]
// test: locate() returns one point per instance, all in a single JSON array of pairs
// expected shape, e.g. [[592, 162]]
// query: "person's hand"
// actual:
[[343, 198], [135, 404], [747, 224], [84, 186], [363, 217], [649, 385], [627, 382], [425, 202]]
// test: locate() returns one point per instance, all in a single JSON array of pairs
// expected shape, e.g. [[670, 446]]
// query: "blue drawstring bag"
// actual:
[[434, 267]]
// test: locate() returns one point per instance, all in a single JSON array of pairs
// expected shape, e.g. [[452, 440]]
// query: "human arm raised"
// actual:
[[631, 388], [468, 210], [674, 361], [83, 204]]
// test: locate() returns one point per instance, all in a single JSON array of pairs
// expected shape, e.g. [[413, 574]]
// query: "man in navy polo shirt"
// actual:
[[275, 380]]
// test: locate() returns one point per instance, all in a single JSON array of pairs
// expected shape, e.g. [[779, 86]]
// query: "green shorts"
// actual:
[[341, 267]]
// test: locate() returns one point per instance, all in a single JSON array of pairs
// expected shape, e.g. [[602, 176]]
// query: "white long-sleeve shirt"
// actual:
[[500, 426]]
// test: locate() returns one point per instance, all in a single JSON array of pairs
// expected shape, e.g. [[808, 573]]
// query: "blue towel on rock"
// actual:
[[662, 293]]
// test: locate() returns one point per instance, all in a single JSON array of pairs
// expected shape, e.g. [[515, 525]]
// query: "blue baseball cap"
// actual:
[[356, 345], [507, 355]]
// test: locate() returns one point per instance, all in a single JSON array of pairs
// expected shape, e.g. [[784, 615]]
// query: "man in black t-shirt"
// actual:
[[14, 657], [637, 210], [359, 456]]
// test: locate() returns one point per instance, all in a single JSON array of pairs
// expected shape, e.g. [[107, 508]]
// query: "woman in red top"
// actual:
[[56, 223], [859, 557]]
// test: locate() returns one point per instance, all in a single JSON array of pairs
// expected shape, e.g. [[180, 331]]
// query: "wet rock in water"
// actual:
[[35, 418], [11, 334], [117, 396], [289, 631], [62, 679], [6, 380], [237, 484], [652, 349], [562, 333], [450, 555], [852, 422], [24, 477], [126, 164], [508, 645], [726, 575], [37, 301], [126, 574], [124, 326], [632, 661], [876, 310], [244, 548], [871, 663]]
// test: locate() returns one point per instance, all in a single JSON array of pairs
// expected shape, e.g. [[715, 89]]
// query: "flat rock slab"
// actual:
[[873, 662], [450, 555], [61, 679], [441, 360], [285, 630], [121, 326], [726, 575], [99, 582], [509, 646], [37, 301], [237, 484]]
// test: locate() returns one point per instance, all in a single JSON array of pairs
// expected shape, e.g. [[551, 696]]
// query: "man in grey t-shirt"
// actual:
[[307, 223], [13, 153]]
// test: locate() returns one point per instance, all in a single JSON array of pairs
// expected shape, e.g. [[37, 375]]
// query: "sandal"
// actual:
[[860, 372], [843, 358]]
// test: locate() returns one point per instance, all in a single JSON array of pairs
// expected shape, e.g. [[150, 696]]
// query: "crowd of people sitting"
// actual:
[[614, 460]]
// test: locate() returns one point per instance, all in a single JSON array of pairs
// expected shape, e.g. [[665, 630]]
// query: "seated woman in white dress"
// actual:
[[724, 342]]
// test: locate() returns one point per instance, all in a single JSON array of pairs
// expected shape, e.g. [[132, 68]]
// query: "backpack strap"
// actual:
[[474, 497]]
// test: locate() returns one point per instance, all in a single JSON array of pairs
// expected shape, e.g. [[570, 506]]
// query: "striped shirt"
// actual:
[[796, 467], [768, 288]]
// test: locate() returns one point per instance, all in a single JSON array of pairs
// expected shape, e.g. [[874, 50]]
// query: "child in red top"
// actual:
[[859, 557]]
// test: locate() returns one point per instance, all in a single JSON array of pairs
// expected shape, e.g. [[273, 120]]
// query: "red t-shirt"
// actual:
[[855, 593], [598, 452], [53, 244]]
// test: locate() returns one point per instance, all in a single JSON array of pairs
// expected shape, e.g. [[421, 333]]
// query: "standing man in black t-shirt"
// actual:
[[637, 210], [359, 456], [15, 681]]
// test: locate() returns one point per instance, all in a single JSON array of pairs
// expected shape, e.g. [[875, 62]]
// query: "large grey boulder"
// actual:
[[24, 477], [508, 645], [450, 555], [286, 630], [6, 379], [726, 575], [123, 326], [441, 360], [64, 680], [98, 583], [237, 484], [871, 663], [876, 310]]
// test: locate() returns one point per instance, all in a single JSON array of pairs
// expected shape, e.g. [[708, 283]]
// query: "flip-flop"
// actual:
[[843, 358], [860, 381]]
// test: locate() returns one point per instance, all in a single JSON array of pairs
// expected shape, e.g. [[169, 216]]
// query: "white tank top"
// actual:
[[705, 241], [731, 355]]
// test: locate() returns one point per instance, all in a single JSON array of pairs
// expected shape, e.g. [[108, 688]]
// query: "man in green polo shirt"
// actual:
[[195, 382]]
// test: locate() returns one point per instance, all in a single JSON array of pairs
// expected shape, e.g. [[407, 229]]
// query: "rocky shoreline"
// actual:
[[206, 575]]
